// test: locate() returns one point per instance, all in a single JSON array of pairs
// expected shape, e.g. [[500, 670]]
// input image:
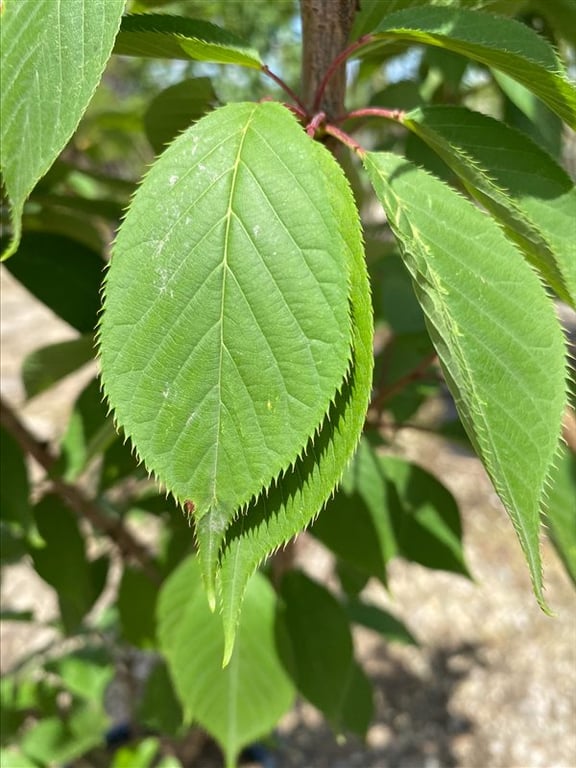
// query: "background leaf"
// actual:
[[43, 90], [321, 658], [223, 357], [176, 108], [496, 41], [163, 35], [516, 180], [62, 562], [505, 367], [242, 702], [47, 366], [63, 274], [561, 510]]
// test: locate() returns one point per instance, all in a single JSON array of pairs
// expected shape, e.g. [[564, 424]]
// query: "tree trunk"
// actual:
[[326, 26]]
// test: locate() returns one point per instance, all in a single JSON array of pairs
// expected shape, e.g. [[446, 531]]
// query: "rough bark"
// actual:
[[326, 26]]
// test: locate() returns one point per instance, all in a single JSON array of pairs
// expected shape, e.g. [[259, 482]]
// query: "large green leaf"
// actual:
[[504, 365], [498, 42], [162, 35], [53, 56], [515, 180], [320, 654], [225, 354], [298, 495], [242, 702]]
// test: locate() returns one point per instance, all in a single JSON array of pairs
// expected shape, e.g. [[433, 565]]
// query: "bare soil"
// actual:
[[492, 683]]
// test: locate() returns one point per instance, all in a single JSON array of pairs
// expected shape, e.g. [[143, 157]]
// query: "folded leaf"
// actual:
[[43, 43], [165, 36], [223, 357], [517, 181], [496, 41], [495, 332], [298, 494]]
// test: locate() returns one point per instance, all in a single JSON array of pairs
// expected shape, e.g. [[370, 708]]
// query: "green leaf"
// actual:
[[561, 511], [13, 759], [14, 488], [158, 708], [561, 14], [139, 755], [64, 274], [224, 356], [166, 36], [424, 516], [53, 56], [47, 366], [320, 654], [242, 702], [136, 606], [89, 432], [54, 740], [299, 494], [379, 620], [85, 673], [517, 181], [524, 111], [505, 366], [362, 499], [398, 509], [118, 462], [497, 42], [62, 561], [176, 108]]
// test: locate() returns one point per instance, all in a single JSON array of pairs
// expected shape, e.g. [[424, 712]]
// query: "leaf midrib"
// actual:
[[229, 214]]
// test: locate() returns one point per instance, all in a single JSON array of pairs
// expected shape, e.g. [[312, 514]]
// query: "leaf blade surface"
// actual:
[[495, 41], [44, 45], [162, 35], [225, 355], [517, 181]]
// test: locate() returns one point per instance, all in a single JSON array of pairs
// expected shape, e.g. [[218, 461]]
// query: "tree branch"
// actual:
[[326, 26], [74, 498]]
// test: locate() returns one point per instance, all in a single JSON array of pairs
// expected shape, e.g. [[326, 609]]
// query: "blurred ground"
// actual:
[[493, 682]]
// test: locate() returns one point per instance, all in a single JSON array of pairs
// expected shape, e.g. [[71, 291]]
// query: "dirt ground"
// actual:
[[493, 681]]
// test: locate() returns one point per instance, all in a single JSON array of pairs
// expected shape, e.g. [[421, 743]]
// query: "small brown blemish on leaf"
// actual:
[[189, 507]]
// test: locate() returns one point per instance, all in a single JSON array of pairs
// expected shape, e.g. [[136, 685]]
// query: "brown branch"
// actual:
[[74, 498], [326, 26], [387, 392]]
